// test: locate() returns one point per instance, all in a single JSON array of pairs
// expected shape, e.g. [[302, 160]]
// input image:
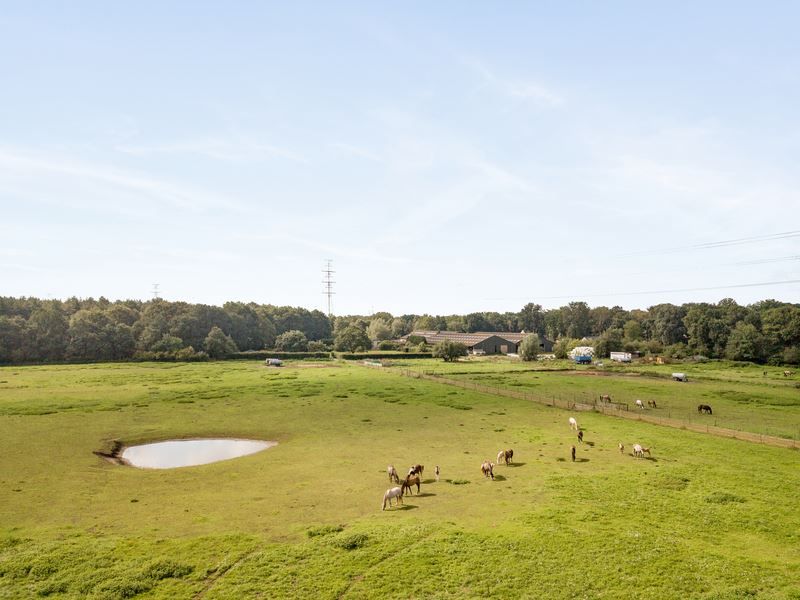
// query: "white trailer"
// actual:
[[680, 377], [621, 356]]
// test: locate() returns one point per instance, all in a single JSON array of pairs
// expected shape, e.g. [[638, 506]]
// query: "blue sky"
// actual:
[[448, 158]]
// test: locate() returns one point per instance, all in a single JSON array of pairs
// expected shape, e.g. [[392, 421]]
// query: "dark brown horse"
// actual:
[[505, 456], [580, 436], [411, 480], [704, 408]]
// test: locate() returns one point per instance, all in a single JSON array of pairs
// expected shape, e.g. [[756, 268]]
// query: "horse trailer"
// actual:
[[620, 357]]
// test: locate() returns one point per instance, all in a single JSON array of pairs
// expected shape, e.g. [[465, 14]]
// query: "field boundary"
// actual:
[[611, 409]]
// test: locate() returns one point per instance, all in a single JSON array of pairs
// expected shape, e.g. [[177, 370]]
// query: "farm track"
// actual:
[[611, 411]]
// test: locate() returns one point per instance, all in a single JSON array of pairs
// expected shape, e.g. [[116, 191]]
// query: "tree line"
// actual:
[[36, 330]]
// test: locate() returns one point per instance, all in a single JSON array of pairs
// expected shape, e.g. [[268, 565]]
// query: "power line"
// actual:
[[718, 244], [328, 283], [155, 292], [697, 289]]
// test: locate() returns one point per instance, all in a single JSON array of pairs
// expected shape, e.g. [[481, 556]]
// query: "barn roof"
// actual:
[[468, 339]]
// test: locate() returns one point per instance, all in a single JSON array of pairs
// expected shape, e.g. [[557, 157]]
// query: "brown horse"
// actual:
[[605, 398], [411, 480], [416, 470], [487, 468], [652, 404], [505, 456], [580, 436], [704, 408]]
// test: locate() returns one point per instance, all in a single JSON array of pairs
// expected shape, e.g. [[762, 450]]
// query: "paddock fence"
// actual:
[[614, 409]]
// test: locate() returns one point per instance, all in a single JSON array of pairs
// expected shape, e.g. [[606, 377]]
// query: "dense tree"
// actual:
[[577, 320], [666, 323], [449, 351], [745, 343], [529, 347], [47, 333], [12, 339], [351, 339], [92, 335], [379, 330], [219, 345], [291, 341], [168, 343], [531, 319]]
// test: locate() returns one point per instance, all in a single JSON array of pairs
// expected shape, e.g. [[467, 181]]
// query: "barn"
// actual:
[[480, 342]]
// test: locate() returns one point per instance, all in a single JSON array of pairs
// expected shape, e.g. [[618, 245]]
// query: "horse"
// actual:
[[637, 451], [505, 456], [392, 474], [573, 454], [640, 404], [411, 480], [395, 492], [573, 423], [580, 436], [621, 448], [416, 470], [487, 468], [788, 373], [652, 404], [436, 472], [605, 398], [645, 451], [704, 408]]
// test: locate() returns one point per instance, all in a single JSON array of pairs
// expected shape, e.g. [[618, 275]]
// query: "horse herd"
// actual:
[[413, 477], [701, 408]]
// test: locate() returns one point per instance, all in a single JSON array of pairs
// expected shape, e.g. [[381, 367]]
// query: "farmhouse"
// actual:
[[480, 342]]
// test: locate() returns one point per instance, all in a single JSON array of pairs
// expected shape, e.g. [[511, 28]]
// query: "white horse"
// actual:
[[637, 451], [393, 477], [395, 492], [573, 423], [501, 456], [640, 404]]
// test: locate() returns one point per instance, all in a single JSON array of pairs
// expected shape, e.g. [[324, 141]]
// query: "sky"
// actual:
[[448, 157]]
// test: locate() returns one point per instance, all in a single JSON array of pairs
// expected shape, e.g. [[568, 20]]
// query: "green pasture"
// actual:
[[703, 518], [743, 396]]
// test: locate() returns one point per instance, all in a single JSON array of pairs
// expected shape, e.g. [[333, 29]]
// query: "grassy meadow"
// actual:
[[744, 396], [703, 518]]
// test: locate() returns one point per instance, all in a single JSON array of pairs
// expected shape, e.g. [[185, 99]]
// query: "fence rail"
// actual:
[[607, 408]]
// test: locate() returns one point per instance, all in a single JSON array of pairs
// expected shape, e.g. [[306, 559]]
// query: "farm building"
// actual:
[[481, 342]]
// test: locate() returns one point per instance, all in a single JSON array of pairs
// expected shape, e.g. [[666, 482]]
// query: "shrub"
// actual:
[[449, 351], [351, 542], [291, 341]]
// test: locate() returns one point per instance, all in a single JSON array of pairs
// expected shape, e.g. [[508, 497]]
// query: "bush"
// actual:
[[449, 351], [264, 354], [351, 542], [291, 341], [529, 347], [388, 345]]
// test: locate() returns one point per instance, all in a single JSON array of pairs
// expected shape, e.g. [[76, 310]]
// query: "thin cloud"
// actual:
[[519, 89], [356, 151], [217, 149]]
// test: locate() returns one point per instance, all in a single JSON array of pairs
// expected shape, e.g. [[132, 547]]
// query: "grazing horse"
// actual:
[[436, 472], [416, 470], [640, 404], [392, 474], [580, 436], [788, 373], [573, 423], [621, 448], [645, 451], [395, 492], [505, 456], [487, 468], [652, 404], [704, 408], [605, 398], [573, 454], [411, 480], [637, 451]]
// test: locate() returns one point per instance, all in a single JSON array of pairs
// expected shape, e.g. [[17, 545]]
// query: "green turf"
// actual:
[[705, 518]]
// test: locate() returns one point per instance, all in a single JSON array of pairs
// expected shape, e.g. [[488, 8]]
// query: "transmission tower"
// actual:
[[328, 283], [156, 293]]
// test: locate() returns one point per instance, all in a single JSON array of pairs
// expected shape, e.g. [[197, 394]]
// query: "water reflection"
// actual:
[[187, 453]]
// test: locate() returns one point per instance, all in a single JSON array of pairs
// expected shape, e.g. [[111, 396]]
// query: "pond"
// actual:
[[187, 453]]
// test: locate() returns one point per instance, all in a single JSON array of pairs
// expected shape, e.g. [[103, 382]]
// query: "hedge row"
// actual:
[[265, 354], [379, 355]]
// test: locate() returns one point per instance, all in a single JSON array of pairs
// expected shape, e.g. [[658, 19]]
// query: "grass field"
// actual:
[[741, 395], [704, 518]]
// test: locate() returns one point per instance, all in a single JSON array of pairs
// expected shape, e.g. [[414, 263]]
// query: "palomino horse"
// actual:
[[704, 408], [573, 423], [411, 480], [505, 456], [487, 468], [392, 474], [395, 492]]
